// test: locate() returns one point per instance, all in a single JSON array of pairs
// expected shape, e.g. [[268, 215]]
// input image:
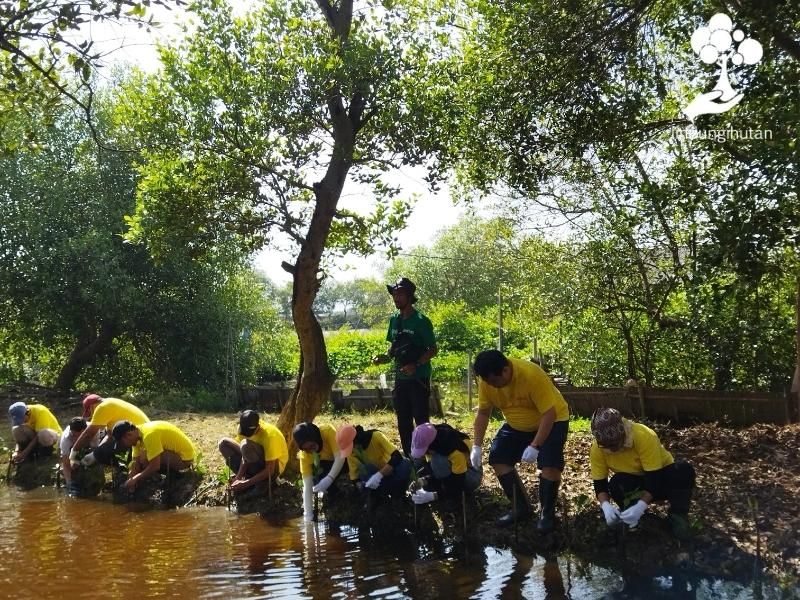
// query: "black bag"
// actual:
[[403, 349]]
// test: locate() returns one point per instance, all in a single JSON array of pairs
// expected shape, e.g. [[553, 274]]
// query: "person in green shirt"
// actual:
[[644, 472], [413, 345]]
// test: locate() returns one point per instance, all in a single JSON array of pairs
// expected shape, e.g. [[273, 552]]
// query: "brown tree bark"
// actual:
[[315, 379], [91, 345]]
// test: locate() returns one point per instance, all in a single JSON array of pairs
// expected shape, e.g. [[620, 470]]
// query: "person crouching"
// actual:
[[441, 455]]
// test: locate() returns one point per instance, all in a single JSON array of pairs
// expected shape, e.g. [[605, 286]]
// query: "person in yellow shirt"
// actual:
[[34, 429], [535, 431], [258, 453], [104, 414], [158, 446], [441, 459], [321, 461], [375, 466], [644, 472]]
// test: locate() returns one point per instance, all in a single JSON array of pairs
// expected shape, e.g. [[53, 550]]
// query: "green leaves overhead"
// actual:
[[46, 56], [239, 126]]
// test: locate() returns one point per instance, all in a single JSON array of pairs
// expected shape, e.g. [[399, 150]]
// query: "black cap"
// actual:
[[248, 422], [405, 284]]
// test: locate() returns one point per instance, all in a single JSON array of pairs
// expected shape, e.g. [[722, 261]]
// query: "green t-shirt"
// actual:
[[420, 330]]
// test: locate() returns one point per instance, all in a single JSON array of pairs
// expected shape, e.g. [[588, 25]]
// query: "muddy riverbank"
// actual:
[[744, 515]]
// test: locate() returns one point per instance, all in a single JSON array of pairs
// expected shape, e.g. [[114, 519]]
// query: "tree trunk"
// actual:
[[87, 349], [316, 380], [796, 379]]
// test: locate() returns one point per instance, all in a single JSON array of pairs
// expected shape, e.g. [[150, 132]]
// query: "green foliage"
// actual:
[[74, 288], [47, 59], [223, 475], [458, 329], [239, 122], [350, 352], [358, 304]]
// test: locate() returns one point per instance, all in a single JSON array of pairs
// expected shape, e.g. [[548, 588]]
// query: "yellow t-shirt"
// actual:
[[458, 459], [307, 459], [42, 418], [272, 441], [644, 454], [377, 454], [111, 410], [158, 436], [528, 395]]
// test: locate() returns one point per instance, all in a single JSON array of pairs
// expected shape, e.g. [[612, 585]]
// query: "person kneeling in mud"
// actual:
[[158, 447], [35, 430], [376, 467], [258, 453], [320, 461], [73, 475], [441, 456], [644, 472], [103, 414]]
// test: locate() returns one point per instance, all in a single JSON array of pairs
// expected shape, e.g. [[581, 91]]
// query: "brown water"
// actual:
[[55, 546]]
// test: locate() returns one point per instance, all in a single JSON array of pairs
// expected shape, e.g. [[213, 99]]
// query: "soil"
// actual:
[[744, 513]]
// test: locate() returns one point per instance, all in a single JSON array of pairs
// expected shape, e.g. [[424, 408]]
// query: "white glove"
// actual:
[[530, 454], [73, 459], [308, 498], [475, 457], [88, 460], [423, 497], [323, 485], [374, 481], [631, 516], [610, 512]]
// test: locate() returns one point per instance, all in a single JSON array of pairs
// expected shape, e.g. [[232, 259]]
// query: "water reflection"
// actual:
[[57, 546]]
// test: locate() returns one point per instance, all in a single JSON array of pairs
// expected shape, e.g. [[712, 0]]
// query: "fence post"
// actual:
[[640, 388]]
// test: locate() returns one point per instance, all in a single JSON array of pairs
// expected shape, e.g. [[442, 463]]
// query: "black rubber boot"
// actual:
[[521, 510], [679, 501], [548, 496]]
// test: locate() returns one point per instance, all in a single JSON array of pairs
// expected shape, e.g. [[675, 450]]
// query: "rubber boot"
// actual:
[[548, 496], [679, 501], [512, 486]]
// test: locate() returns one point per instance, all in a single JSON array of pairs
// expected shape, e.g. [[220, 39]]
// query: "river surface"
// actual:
[[53, 546]]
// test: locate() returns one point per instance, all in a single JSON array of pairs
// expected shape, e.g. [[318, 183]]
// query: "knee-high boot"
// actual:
[[679, 501], [548, 496], [520, 504]]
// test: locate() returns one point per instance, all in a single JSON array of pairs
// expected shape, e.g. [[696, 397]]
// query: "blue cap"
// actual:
[[17, 412]]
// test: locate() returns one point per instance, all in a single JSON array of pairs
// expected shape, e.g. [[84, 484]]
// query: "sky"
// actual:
[[433, 211]]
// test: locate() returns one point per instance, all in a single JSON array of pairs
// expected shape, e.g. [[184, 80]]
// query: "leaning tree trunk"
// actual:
[[316, 380], [88, 348]]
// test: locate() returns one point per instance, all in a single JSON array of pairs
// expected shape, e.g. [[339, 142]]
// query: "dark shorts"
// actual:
[[509, 444]]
